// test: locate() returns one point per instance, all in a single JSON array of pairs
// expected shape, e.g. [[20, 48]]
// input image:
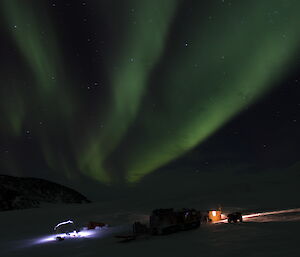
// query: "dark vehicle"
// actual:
[[138, 228], [235, 217], [165, 221], [162, 222], [205, 217]]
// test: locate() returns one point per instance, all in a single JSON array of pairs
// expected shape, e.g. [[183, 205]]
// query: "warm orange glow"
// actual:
[[214, 215], [223, 216]]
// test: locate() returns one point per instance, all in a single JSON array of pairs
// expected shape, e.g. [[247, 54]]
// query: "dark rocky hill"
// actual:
[[22, 193]]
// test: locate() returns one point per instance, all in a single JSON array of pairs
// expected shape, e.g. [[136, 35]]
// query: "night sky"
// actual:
[[117, 90]]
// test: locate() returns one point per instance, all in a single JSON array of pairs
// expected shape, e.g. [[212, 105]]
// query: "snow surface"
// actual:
[[29, 233]]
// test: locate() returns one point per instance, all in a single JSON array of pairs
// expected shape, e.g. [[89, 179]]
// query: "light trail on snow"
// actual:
[[63, 223], [254, 215], [270, 213]]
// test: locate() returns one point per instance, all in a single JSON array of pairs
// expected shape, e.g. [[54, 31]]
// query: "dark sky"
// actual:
[[118, 90]]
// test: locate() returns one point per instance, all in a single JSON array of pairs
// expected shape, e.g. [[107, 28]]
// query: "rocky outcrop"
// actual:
[[22, 193]]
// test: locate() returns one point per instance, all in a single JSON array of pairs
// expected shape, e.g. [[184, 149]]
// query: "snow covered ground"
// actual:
[[29, 233]]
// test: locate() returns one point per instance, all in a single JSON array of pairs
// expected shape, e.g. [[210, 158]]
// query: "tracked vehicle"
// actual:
[[166, 221], [235, 217]]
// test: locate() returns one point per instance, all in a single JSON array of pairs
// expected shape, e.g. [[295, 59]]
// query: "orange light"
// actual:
[[214, 215]]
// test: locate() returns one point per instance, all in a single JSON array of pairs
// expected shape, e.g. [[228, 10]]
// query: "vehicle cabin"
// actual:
[[214, 215]]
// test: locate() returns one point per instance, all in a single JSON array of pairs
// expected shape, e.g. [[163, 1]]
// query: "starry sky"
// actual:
[[118, 90]]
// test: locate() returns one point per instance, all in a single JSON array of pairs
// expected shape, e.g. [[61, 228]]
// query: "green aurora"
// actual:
[[174, 77]]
